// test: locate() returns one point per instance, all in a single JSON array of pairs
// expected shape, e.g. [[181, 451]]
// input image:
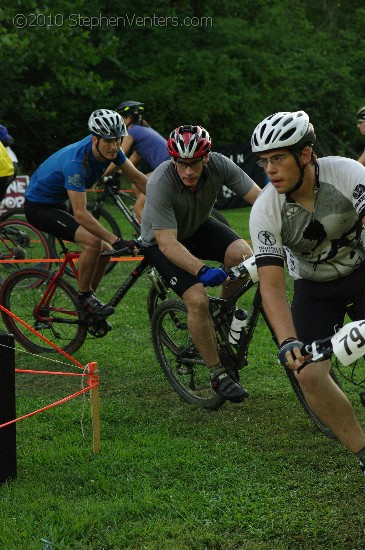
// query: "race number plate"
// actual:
[[349, 342]]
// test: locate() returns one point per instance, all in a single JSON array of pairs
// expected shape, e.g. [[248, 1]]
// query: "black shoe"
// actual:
[[223, 384], [95, 307]]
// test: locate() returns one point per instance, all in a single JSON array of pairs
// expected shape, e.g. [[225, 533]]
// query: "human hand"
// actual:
[[124, 247], [294, 359], [211, 276]]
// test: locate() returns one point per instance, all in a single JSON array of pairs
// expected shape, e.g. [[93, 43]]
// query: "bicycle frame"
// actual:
[[219, 307], [112, 191], [69, 261], [51, 287]]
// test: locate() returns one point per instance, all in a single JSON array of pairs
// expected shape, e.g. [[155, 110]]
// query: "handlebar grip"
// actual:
[[306, 349]]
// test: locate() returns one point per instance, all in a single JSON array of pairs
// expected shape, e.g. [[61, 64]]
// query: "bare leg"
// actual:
[[200, 324], [331, 405], [91, 266], [235, 254]]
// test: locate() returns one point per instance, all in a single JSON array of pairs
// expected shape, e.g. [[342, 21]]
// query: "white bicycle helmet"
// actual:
[[107, 124], [283, 130]]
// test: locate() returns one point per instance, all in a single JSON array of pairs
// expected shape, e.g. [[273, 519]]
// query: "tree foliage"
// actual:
[[223, 65]]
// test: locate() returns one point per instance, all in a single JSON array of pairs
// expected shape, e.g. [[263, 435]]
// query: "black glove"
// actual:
[[288, 345], [124, 247]]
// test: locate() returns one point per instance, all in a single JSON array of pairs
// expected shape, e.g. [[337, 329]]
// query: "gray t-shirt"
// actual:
[[321, 245], [172, 205]]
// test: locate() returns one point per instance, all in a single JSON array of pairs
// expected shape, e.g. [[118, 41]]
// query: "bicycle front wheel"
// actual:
[[19, 240], [179, 359], [154, 299], [57, 320]]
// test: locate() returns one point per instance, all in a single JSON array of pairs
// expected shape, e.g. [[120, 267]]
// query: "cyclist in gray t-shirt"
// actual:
[[177, 233]]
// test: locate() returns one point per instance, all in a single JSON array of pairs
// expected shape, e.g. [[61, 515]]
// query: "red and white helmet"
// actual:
[[188, 142]]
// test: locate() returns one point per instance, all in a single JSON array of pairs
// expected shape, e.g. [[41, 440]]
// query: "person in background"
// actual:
[[178, 235], [7, 141], [66, 175], [147, 145], [310, 218], [6, 171], [360, 116]]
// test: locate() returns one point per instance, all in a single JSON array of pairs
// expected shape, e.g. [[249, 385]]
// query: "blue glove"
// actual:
[[211, 276], [288, 345]]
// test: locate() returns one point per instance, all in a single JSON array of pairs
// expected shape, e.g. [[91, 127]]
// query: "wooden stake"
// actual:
[[95, 406]]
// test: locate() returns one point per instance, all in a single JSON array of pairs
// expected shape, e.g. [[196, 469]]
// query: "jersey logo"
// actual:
[[173, 281], [266, 238], [358, 191], [292, 211], [75, 180]]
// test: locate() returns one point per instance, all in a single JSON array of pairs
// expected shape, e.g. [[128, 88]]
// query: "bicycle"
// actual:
[[50, 305], [181, 363], [19, 240]]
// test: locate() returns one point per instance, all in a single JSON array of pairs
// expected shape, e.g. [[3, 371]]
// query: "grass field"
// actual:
[[170, 476]]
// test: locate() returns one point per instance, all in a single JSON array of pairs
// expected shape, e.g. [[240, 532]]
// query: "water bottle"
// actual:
[[238, 323]]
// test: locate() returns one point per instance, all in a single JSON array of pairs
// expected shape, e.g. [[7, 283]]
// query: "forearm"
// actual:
[[280, 318], [88, 222], [275, 302], [180, 256]]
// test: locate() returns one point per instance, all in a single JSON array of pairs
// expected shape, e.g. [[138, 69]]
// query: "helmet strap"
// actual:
[[302, 171], [98, 150]]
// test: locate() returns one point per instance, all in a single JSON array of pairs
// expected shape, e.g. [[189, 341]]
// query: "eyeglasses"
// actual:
[[275, 159], [194, 165]]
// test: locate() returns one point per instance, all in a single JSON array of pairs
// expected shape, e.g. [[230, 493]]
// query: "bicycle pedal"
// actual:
[[99, 328]]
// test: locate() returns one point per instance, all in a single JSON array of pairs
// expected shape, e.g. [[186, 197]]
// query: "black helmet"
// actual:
[[360, 115], [134, 109]]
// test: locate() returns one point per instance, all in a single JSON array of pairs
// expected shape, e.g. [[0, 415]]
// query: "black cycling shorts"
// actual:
[[209, 242], [319, 307], [52, 219]]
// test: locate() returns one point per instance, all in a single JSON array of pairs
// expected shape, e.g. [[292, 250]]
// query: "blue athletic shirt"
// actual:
[[149, 144], [73, 168]]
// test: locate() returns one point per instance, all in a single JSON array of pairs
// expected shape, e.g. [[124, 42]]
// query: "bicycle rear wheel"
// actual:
[[19, 240], [57, 321], [179, 360], [302, 400]]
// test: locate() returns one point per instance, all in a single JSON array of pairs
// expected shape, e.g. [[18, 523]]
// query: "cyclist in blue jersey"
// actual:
[[66, 175], [147, 144]]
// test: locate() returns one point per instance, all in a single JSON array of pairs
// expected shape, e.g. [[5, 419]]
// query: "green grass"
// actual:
[[253, 476]]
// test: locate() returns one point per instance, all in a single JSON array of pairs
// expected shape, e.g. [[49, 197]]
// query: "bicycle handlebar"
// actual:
[[348, 345], [132, 247], [247, 267]]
